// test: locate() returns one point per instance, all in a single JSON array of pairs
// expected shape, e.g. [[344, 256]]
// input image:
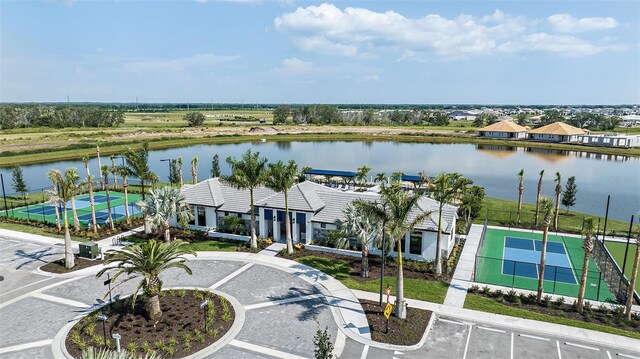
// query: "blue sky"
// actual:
[[504, 52]]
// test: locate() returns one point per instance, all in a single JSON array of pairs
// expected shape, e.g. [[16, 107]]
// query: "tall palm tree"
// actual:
[[179, 162], [397, 212], [58, 198], [556, 211], [148, 261], [280, 177], [361, 175], [138, 166], [446, 187], [587, 243], [538, 196], [162, 206], [247, 173], [71, 175], [99, 167], [124, 172], [89, 182], [634, 274], [105, 175], [194, 169], [54, 189], [520, 192], [546, 207], [113, 171], [365, 228]]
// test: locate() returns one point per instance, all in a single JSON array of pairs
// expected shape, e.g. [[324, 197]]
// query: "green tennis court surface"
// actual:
[[512, 259], [47, 212], [617, 250]]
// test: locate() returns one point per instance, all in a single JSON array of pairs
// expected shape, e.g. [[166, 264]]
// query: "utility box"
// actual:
[[89, 250]]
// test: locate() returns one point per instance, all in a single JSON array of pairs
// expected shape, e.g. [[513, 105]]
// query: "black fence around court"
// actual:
[[617, 282]]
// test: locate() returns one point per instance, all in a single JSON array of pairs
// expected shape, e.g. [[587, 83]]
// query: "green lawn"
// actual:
[[477, 302], [503, 213], [422, 289], [212, 246], [36, 230], [617, 251]]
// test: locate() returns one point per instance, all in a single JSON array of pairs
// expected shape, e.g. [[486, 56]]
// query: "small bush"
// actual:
[[132, 347], [560, 301], [485, 290], [474, 289]]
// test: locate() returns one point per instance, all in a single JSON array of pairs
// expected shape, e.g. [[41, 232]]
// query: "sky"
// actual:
[[260, 51]]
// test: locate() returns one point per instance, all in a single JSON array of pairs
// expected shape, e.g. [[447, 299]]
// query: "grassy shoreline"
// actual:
[[76, 151]]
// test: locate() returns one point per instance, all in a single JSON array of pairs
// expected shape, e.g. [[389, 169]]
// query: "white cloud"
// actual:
[[294, 66], [569, 24], [350, 32], [178, 64]]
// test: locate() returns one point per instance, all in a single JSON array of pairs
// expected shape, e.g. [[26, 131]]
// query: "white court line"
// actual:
[[230, 276], [533, 337], [263, 350], [582, 346], [365, 351], [492, 330], [558, 346], [18, 347], [283, 301], [59, 300], [627, 356], [512, 345], [466, 347], [26, 285], [451, 321]]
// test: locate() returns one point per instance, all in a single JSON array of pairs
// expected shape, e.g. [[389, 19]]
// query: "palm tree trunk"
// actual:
[[126, 200], [153, 309], [401, 307], [556, 212], [167, 235], [69, 260], [583, 281], [55, 206], [254, 240], [109, 206], [520, 191], [634, 278], [287, 225], [76, 222], [365, 261], [115, 181], [93, 209], [543, 255], [439, 245], [538, 200]]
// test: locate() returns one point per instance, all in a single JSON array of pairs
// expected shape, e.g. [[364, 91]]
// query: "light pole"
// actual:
[[203, 305], [103, 318], [384, 244], [168, 160]]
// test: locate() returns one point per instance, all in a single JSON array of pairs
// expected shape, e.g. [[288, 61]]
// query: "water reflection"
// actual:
[[548, 154]]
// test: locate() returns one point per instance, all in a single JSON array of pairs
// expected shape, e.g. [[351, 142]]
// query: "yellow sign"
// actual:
[[387, 310]]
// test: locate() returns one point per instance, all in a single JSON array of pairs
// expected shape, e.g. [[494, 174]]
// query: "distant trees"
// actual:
[[485, 118], [521, 119], [26, 116], [438, 119], [215, 166], [280, 114], [594, 121], [194, 119], [550, 117], [570, 191], [18, 182]]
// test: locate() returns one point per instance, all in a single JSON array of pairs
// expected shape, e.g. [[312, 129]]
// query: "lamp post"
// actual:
[[103, 318], [168, 160], [384, 244], [203, 305]]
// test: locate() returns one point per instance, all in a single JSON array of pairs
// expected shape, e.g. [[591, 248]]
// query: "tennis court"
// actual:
[[47, 212], [512, 259]]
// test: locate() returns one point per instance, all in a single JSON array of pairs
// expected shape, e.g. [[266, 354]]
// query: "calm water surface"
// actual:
[[494, 167]]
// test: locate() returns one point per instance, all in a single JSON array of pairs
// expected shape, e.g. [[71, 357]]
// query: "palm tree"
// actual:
[[396, 212], [280, 177], [58, 198], [54, 189], [538, 196], [446, 187], [179, 161], [112, 169], [520, 192], [381, 178], [138, 166], [634, 274], [587, 243], [99, 167], [72, 177], [124, 172], [89, 182], [361, 175], [556, 212], [247, 173], [194, 169], [546, 206], [105, 175], [162, 206], [148, 261], [366, 229]]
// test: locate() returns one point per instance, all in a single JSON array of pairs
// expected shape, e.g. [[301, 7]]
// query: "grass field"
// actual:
[[490, 268], [617, 250]]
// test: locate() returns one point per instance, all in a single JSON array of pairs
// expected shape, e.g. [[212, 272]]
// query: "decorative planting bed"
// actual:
[[184, 328], [401, 332], [58, 267]]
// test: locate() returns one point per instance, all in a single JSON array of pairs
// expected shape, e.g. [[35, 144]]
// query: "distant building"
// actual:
[[459, 115], [630, 121], [504, 129], [610, 140], [556, 132]]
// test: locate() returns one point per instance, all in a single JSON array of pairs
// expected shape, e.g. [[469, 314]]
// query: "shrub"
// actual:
[[485, 290], [560, 301], [198, 336], [194, 119], [474, 289], [323, 344], [132, 347], [546, 299]]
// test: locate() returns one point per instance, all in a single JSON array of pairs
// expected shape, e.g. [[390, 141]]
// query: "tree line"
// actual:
[[12, 116], [330, 115]]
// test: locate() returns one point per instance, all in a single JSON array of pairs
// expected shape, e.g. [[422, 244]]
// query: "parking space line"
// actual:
[[533, 337], [627, 356], [283, 301], [451, 321], [263, 350], [492, 329], [558, 346], [231, 276], [582, 346], [59, 300], [24, 286], [608, 355], [19, 347], [365, 351], [466, 347]]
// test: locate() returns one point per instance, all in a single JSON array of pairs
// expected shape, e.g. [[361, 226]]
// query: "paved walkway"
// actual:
[[462, 277], [273, 249]]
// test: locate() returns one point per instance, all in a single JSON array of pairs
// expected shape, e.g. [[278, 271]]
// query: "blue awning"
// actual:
[[412, 178], [330, 173]]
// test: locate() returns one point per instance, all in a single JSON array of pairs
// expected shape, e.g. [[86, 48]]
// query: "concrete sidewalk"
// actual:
[[273, 249], [457, 292]]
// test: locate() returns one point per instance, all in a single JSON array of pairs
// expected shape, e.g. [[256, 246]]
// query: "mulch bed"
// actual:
[[178, 333], [412, 269], [401, 332], [80, 263]]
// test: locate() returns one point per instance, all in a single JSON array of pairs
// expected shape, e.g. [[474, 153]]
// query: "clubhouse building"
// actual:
[[315, 210], [504, 129]]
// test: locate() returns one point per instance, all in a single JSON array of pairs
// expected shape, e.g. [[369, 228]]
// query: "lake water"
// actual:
[[494, 167]]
